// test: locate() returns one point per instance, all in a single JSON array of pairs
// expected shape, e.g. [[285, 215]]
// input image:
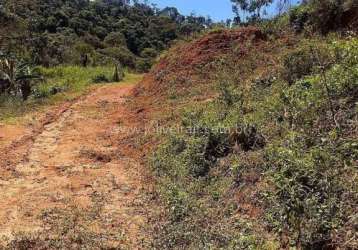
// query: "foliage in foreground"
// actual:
[[271, 162]]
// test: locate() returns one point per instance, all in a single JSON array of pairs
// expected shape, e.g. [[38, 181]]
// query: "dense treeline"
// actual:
[[52, 32]]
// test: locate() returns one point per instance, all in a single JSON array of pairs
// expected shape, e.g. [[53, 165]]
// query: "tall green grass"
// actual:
[[75, 78], [60, 83]]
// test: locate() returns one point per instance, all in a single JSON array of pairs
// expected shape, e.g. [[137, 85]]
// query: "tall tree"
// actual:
[[251, 6]]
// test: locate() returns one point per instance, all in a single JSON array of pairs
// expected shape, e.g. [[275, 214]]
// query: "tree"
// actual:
[[17, 75], [118, 73], [173, 13], [84, 50], [115, 39], [228, 22], [254, 7], [51, 28]]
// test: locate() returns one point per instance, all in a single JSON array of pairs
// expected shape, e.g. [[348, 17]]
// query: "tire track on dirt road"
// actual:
[[75, 174]]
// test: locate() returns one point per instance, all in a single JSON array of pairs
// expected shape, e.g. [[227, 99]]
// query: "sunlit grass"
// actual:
[[69, 82]]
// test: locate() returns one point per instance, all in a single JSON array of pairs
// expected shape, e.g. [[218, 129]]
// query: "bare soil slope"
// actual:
[[191, 62]]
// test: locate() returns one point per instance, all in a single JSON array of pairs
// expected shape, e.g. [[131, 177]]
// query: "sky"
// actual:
[[216, 9]]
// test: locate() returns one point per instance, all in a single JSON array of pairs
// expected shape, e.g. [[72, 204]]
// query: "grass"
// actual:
[[60, 84]]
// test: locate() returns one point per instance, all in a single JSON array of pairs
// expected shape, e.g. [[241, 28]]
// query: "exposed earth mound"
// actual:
[[186, 61], [252, 129]]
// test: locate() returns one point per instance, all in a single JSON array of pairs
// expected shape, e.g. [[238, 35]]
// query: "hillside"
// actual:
[[256, 141], [86, 32]]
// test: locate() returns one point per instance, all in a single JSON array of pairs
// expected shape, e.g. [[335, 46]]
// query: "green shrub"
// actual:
[[302, 102], [343, 76], [326, 15], [322, 15], [149, 53], [44, 91], [143, 65], [309, 202], [101, 78], [276, 26], [299, 17], [287, 160], [298, 64], [189, 155], [120, 54], [229, 94], [115, 39]]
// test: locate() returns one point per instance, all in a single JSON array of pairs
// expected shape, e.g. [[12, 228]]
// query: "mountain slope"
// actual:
[[256, 141]]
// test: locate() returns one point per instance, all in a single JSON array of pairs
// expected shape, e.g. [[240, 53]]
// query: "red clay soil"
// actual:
[[185, 60], [15, 139], [79, 158], [209, 47]]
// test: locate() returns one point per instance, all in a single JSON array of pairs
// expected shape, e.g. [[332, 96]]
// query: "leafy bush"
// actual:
[[229, 94], [322, 15], [343, 76], [101, 78], [149, 53], [16, 76], [326, 14], [310, 201], [298, 64], [143, 65], [115, 39], [314, 196], [44, 91], [299, 17], [311, 57], [120, 54], [276, 26], [192, 196]]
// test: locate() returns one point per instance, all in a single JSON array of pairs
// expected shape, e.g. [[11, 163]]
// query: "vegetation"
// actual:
[[68, 43], [259, 148], [93, 33], [324, 16], [57, 84], [288, 146], [268, 159], [16, 77]]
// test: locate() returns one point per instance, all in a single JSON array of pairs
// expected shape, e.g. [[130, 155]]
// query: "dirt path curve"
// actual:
[[76, 186]]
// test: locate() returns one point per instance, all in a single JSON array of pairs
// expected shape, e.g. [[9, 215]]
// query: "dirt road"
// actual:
[[76, 185]]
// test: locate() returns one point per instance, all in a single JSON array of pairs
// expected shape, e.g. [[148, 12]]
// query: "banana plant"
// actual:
[[17, 75]]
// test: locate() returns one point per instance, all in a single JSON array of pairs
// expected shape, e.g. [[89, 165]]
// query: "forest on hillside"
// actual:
[[87, 32], [114, 34]]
